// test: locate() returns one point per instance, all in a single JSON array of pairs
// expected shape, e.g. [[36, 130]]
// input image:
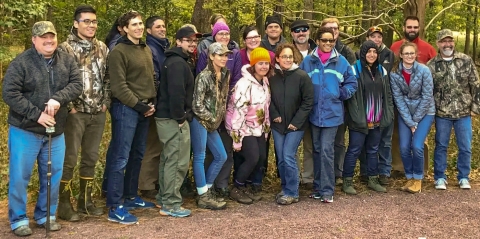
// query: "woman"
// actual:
[[209, 39], [412, 88], [292, 100], [248, 121], [115, 33], [252, 39], [333, 82], [209, 105], [368, 111]]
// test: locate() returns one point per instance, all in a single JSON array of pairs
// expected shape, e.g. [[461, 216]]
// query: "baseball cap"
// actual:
[[42, 27], [186, 32], [374, 29], [444, 33], [218, 48], [298, 23]]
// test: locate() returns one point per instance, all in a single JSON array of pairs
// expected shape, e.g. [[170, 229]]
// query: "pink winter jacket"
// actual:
[[247, 109]]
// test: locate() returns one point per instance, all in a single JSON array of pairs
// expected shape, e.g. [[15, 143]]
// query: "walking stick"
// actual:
[[49, 130]]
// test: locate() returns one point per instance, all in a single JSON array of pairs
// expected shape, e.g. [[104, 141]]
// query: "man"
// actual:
[[37, 100], [386, 59], [300, 31], [307, 175], [158, 42], [174, 111], [411, 27], [457, 97], [131, 72], [273, 33], [86, 120]]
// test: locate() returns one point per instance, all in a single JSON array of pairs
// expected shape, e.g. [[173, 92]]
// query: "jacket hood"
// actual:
[[367, 45], [176, 51], [125, 40], [292, 68], [73, 38], [247, 75], [164, 43]]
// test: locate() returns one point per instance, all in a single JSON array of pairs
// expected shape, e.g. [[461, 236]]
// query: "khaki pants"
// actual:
[[151, 159], [85, 131]]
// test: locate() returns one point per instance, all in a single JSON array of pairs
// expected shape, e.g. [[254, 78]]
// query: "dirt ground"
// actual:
[[453, 213]]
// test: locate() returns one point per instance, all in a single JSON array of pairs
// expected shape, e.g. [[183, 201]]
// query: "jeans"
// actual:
[[463, 133], [200, 139], [323, 139], [307, 172], [384, 153], [339, 150], [411, 146], [358, 141], [25, 149], [286, 146], [125, 153], [223, 177]]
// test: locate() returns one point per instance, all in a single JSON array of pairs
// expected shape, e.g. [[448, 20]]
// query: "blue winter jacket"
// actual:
[[158, 47], [333, 82], [415, 100]]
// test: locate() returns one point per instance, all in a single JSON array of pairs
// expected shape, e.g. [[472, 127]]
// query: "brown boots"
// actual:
[[84, 203], [412, 186]]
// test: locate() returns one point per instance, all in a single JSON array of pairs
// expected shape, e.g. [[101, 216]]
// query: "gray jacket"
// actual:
[[415, 100], [30, 82]]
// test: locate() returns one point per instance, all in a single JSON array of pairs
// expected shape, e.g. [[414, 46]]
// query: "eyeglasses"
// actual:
[[333, 28], [88, 21], [408, 53], [375, 29], [252, 38], [300, 29], [412, 27], [224, 34], [286, 57], [327, 40], [190, 41]]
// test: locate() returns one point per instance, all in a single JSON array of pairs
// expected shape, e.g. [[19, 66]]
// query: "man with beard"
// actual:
[[300, 31], [411, 27], [426, 52], [456, 92]]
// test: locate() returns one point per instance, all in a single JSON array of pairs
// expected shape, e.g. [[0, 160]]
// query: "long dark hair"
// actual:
[[113, 32]]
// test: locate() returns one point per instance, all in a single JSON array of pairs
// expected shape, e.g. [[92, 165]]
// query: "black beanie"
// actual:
[[273, 19]]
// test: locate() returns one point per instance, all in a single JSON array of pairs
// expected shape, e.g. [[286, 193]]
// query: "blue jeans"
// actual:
[[125, 153], [323, 140], [384, 153], [411, 146], [286, 146], [200, 140], [357, 141], [25, 149], [463, 133]]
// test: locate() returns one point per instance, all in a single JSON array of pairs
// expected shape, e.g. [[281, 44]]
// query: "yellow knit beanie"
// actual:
[[259, 54]]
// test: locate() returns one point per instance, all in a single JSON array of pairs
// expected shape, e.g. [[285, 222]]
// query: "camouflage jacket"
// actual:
[[210, 98], [456, 86], [91, 57]]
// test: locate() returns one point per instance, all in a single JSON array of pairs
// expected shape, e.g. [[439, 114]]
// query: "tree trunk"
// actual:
[[367, 10], [417, 8], [475, 32], [200, 16], [259, 17], [308, 6], [468, 29]]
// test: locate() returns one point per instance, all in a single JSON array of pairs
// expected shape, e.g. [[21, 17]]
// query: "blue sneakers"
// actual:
[[175, 212], [137, 202], [121, 215]]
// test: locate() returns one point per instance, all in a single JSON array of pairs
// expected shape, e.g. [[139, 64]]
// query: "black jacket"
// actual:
[[292, 99], [345, 51], [175, 92], [30, 82]]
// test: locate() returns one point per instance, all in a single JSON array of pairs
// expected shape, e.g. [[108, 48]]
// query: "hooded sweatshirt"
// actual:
[[266, 44], [91, 58], [292, 98]]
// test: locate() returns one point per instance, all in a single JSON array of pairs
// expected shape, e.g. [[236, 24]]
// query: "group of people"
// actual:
[[207, 98]]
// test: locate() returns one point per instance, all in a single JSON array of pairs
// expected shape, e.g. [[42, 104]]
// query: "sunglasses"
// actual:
[[327, 40], [300, 29]]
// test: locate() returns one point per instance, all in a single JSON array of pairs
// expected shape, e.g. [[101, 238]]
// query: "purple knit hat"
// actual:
[[219, 26]]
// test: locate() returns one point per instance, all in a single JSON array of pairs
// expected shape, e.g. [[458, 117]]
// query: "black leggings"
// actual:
[[254, 150]]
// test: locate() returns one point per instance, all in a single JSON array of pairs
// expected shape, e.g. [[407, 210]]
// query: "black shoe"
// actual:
[[223, 192], [364, 178], [384, 180]]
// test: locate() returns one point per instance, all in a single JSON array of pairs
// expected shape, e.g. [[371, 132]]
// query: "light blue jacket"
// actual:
[[333, 82], [415, 100]]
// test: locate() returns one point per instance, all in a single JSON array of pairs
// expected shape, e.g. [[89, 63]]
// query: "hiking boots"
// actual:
[[223, 192], [375, 185], [407, 185], [384, 180], [54, 226], [347, 186], [252, 193], [65, 208], [338, 181], [85, 204], [416, 186], [287, 200], [364, 179], [209, 201], [239, 195], [22, 231]]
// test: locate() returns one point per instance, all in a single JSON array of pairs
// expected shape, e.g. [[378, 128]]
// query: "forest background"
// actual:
[[356, 16]]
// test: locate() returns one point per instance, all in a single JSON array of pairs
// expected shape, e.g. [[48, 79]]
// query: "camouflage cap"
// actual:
[[218, 48], [42, 27], [444, 33]]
